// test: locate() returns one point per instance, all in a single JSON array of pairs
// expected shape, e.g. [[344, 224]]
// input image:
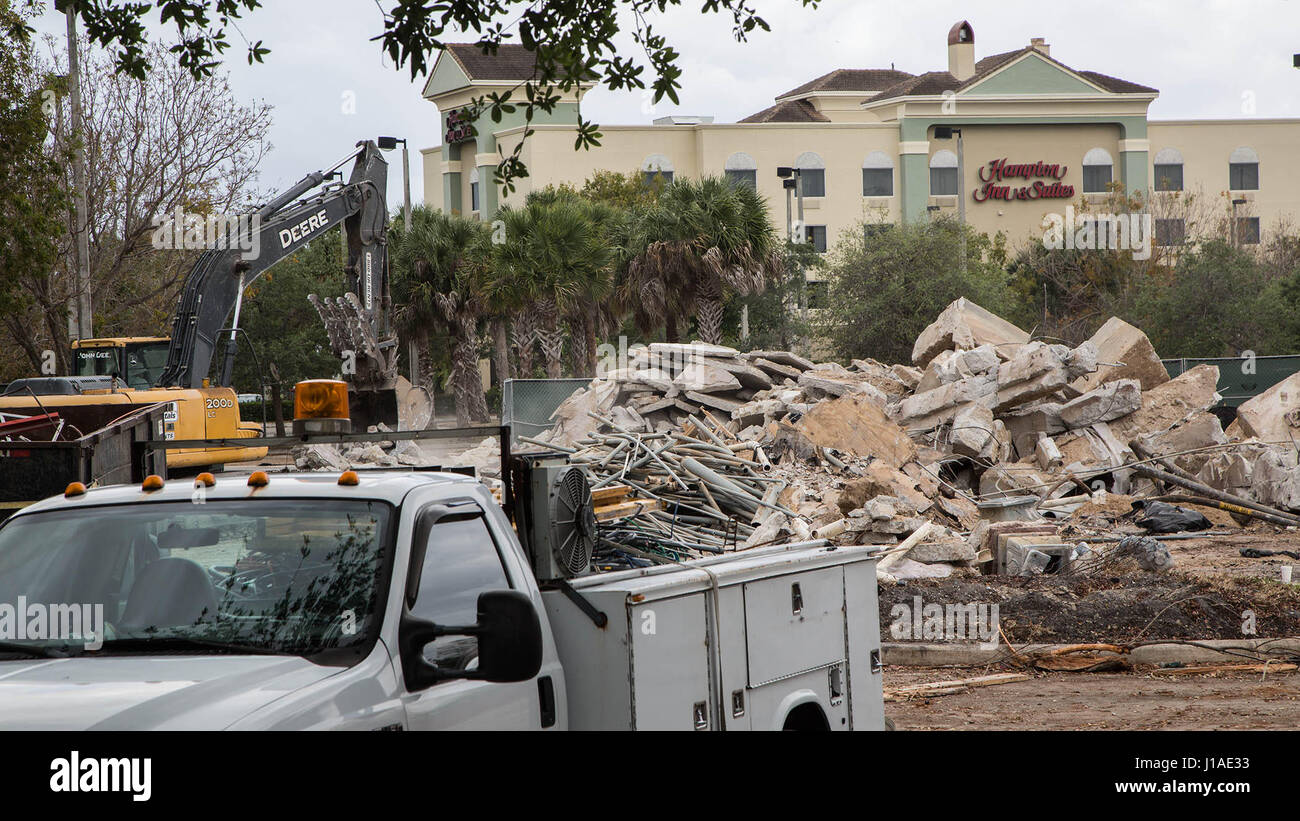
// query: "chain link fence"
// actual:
[[527, 404]]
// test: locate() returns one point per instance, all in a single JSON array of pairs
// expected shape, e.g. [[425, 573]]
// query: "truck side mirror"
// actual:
[[509, 635]]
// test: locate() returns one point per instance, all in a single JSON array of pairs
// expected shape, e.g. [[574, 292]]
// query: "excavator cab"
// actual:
[[137, 362]]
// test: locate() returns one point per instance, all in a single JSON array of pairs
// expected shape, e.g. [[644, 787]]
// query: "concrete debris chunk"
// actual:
[[964, 325], [1123, 352], [973, 432], [1108, 402], [705, 378], [1274, 415]]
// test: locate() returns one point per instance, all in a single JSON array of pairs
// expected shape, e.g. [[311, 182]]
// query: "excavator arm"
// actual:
[[214, 288]]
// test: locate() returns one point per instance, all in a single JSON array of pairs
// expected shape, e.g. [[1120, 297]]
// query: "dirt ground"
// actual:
[[1101, 701]]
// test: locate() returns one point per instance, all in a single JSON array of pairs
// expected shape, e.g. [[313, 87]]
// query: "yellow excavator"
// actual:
[[115, 376]]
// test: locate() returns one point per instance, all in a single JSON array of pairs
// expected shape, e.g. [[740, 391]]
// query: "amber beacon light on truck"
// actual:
[[321, 406]]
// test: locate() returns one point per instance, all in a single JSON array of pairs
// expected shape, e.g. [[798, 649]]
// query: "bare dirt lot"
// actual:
[[1102, 701]]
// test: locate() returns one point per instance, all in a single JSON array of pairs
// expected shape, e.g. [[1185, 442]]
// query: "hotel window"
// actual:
[[1248, 230], [1168, 174], [741, 169], [473, 190], [1243, 170], [1097, 166], [878, 175], [812, 173], [943, 173], [657, 165], [816, 236], [1171, 232]]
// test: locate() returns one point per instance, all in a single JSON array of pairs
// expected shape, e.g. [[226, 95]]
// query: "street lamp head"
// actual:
[[784, 171], [1241, 201], [790, 184], [389, 143], [945, 132], [1295, 60]]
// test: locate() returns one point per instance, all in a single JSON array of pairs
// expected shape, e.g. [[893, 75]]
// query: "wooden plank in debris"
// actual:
[[610, 493], [713, 400], [777, 369], [622, 510], [1271, 667], [953, 686]]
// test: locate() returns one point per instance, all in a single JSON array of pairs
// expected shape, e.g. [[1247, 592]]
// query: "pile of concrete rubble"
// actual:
[[985, 425]]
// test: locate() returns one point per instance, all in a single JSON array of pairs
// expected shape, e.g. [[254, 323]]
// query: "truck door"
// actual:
[[461, 560]]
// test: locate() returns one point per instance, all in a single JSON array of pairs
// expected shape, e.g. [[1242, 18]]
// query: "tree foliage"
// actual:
[[887, 287], [31, 198]]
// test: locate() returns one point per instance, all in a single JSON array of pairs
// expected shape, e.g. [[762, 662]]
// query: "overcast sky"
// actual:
[[1208, 58]]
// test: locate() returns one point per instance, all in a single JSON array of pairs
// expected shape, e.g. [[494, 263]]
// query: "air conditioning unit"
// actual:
[[562, 520]]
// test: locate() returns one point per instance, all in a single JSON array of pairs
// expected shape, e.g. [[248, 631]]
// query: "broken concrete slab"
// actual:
[[1108, 402], [950, 366], [1128, 354], [857, 425], [748, 375], [786, 358], [703, 378], [1200, 430], [1024, 424], [1192, 391], [965, 325], [973, 434], [1274, 415], [839, 383], [1038, 370], [926, 411]]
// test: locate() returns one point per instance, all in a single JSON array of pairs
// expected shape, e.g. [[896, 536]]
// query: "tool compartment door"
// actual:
[[670, 664], [794, 623]]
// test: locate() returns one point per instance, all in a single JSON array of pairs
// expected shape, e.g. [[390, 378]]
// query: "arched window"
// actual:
[[943, 173], [878, 175], [1243, 170], [812, 172], [473, 189], [657, 164], [1168, 170], [741, 169], [1097, 171]]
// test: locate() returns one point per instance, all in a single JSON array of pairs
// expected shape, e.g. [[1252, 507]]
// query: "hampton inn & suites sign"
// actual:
[[1002, 180]]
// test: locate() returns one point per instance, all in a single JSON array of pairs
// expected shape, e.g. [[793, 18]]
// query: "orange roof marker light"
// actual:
[[258, 478], [74, 489], [152, 482], [206, 479], [349, 478], [321, 406]]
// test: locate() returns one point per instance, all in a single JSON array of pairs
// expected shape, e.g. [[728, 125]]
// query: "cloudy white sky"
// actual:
[[1208, 58]]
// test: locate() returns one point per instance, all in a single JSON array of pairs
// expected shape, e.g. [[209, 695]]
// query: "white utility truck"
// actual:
[[404, 600]]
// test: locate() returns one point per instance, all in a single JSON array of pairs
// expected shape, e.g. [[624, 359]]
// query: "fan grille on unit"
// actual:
[[573, 521]]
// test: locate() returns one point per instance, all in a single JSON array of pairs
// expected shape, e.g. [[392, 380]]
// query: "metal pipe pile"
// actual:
[[715, 489]]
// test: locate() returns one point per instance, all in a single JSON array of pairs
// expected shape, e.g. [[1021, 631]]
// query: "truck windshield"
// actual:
[[265, 576]]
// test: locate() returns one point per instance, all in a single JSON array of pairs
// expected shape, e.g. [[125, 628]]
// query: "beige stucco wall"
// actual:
[[696, 149], [1206, 146], [1062, 145]]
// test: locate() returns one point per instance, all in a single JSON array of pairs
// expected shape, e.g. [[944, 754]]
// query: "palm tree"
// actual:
[[700, 240], [439, 280], [557, 264]]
